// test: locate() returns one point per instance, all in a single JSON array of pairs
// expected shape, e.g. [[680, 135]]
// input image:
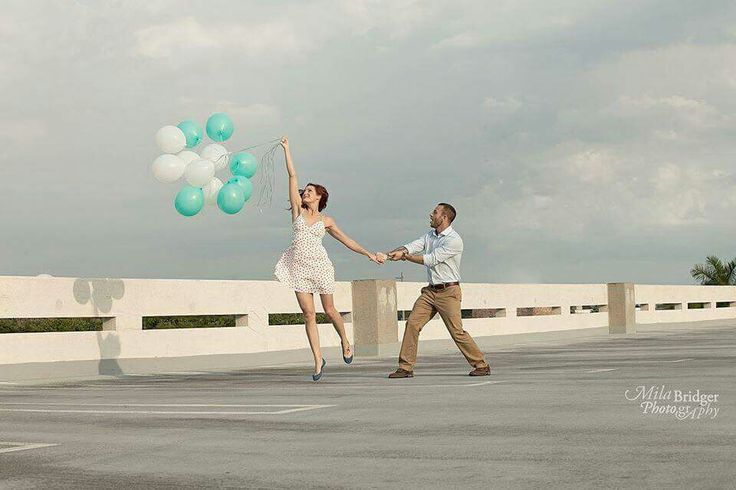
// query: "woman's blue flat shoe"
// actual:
[[318, 376], [348, 360]]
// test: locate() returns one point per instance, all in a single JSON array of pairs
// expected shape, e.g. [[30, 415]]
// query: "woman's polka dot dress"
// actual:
[[305, 266]]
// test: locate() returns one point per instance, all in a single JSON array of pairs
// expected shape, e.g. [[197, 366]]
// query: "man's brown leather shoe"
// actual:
[[401, 373], [484, 371]]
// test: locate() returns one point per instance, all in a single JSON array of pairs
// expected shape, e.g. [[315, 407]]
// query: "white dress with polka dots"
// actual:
[[305, 266]]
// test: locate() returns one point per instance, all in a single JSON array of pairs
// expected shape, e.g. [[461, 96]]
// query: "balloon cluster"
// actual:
[[199, 170]]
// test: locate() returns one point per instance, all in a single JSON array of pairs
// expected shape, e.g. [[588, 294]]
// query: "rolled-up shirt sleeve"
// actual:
[[450, 248], [416, 246]]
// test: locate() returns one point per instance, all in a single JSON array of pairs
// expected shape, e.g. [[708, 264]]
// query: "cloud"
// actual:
[[22, 131], [591, 165], [509, 24], [562, 130], [253, 114], [397, 19], [174, 39], [189, 36], [695, 114], [506, 105], [681, 195], [685, 69], [463, 40]]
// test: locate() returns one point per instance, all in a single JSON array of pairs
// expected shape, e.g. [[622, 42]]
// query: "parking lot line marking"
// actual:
[[210, 405], [22, 446], [170, 373], [335, 381], [462, 385], [410, 384], [285, 408], [156, 412]]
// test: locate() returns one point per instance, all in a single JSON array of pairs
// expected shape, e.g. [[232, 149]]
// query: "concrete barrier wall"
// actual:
[[555, 299], [124, 302], [497, 310], [688, 303]]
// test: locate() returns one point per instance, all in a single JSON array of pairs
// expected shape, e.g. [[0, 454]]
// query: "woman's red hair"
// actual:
[[321, 192]]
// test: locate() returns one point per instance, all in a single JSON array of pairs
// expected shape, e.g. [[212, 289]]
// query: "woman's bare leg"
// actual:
[[329, 306], [306, 303]]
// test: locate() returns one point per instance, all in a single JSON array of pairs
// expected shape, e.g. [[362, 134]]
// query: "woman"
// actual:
[[305, 266]]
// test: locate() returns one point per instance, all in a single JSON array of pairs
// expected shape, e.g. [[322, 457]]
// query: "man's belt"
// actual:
[[443, 285]]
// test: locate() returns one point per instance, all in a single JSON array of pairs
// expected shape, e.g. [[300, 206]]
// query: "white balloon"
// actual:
[[188, 156], [217, 154], [199, 172], [211, 190], [171, 139], [168, 168]]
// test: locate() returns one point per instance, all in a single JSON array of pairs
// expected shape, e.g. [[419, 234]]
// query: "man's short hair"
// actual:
[[449, 211]]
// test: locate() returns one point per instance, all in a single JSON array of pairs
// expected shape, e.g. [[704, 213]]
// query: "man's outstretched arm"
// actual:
[[440, 254], [414, 247], [397, 253], [417, 259]]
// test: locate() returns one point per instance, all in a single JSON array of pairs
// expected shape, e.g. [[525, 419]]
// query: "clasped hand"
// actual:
[[380, 257]]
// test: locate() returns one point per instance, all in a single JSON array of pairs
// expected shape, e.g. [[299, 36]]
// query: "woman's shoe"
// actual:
[[348, 360], [318, 376]]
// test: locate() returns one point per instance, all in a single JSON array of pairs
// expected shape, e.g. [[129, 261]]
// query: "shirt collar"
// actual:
[[444, 232]]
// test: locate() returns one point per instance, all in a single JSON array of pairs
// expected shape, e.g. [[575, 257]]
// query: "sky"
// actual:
[[579, 141]]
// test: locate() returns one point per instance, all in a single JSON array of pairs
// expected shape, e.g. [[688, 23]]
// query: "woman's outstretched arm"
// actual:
[[340, 236], [294, 198]]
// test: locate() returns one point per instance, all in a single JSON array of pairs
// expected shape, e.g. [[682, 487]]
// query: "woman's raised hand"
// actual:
[[285, 143]]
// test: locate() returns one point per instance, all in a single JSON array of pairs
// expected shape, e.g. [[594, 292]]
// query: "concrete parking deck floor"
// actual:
[[553, 414]]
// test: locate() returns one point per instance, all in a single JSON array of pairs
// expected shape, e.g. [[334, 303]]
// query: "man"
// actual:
[[439, 251]]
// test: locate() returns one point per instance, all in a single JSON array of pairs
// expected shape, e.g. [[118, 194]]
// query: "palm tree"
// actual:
[[714, 272]]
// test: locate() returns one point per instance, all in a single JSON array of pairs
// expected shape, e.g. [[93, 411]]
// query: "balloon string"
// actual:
[[267, 176], [227, 154], [266, 173], [255, 146]]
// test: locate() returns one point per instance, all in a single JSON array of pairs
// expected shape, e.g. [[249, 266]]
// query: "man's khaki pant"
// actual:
[[446, 302]]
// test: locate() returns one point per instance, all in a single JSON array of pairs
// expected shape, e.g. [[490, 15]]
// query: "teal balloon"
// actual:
[[219, 126], [192, 131], [231, 198], [244, 164], [189, 201], [244, 183]]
